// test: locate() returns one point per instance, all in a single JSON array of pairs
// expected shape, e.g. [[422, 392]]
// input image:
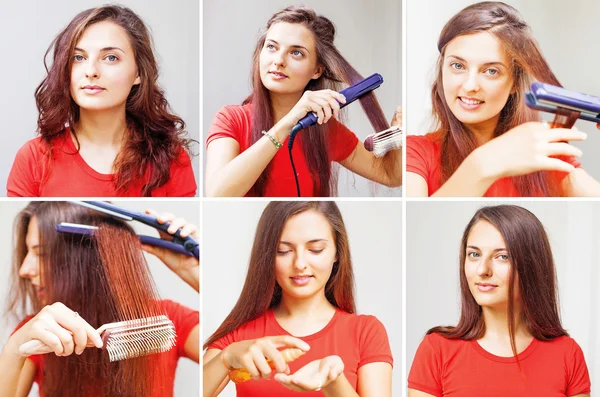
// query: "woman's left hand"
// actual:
[[397, 118], [186, 267], [314, 376]]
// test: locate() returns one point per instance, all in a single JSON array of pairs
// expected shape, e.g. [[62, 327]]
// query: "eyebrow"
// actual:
[[309, 242], [292, 46], [102, 49], [496, 250], [485, 64]]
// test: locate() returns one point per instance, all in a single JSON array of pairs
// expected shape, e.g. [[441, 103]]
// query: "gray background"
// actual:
[[170, 286], [432, 269], [368, 34], [28, 28], [375, 235], [566, 32]]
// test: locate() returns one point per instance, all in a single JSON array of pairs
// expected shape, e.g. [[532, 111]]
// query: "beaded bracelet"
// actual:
[[273, 139]]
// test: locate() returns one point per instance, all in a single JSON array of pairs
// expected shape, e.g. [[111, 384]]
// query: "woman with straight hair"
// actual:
[[487, 142], [296, 70], [299, 293], [104, 123], [509, 340], [70, 285]]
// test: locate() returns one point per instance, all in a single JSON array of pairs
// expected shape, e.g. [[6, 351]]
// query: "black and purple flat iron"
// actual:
[[560, 101]]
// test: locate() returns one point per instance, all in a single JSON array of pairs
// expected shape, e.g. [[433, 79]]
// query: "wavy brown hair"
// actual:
[[261, 291], [527, 65], [337, 71], [154, 137], [532, 264], [105, 279]]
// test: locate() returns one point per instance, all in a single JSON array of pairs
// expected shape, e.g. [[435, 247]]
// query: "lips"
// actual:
[[470, 103], [301, 280], [486, 287], [278, 75], [92, 89]]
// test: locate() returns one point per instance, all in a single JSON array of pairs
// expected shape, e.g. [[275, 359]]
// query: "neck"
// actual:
[[283, 103], [105, 128], [315, 306], [496, 323], [484, 131]]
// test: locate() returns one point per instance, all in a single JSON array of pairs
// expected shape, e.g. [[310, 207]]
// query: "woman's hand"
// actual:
[[313, 376], [397, 117], [61, 329], [325, 103], [186, 267], [253, 354], [528, 148]]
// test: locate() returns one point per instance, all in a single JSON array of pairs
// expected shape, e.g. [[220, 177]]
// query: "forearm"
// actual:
[[469, 180], [340, 388], [191, 277], [214, 376], [11, 366], [238, 176], [390, 166]]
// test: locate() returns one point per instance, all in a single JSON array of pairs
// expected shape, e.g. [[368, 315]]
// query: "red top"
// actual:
[[459, 368], [235, 122], [70, 176], [184, 319], [356, 339], [423, 154]]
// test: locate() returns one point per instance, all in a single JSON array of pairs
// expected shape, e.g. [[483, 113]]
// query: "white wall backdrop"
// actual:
[[169, 285], [31, 27], [368, 35], [375, 235], [564, 31], [434, 230]]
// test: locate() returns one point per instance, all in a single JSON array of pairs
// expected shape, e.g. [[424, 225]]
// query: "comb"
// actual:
[[382, 142], [241, 375], [125, 339]]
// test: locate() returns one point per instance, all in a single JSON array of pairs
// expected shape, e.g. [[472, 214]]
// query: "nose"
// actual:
[[91, 70], [29, 268], [484, 269], [278, 59], [300, 262], [471, 83]]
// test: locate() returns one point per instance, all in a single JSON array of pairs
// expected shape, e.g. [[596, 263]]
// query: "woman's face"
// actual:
[[305, 256], [487, 266], [30, 268], [477, 79], [288, 59], [103, 68]]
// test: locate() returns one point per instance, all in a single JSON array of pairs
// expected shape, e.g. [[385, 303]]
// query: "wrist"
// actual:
[[282, 129], [334, 384], [11, 351], [485, 171]]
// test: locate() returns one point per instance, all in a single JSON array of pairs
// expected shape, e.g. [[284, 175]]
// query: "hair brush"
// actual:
[[382, 142], [125, 339]]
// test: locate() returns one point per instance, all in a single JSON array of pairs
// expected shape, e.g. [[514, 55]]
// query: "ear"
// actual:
[[137, 81], [318, 72]]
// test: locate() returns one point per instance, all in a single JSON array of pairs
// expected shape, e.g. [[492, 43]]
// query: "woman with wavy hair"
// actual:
[[299, 293], [104, 123], [73, 284], [296, 70], [487, 141], [509, 340]]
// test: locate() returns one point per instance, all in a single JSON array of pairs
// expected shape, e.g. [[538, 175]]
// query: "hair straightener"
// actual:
[[563, 102], [188, 245], [351, 94]]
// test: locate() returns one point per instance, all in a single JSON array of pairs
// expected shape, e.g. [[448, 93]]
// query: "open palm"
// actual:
[[314, 375]]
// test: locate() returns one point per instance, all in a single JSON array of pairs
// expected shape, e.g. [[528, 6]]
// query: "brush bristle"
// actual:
[[387, 140], [140, 337]]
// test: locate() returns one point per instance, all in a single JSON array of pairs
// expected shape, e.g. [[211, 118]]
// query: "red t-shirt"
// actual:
[[423, 157], [235, 122], [356, 339], [71, 176], [459, 368], [184, 319]]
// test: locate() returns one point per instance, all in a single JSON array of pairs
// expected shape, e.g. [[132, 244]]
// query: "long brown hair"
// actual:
[[336, 71], [261, 291], [154, 137], [528, 64], [105, 279], [532, 265]]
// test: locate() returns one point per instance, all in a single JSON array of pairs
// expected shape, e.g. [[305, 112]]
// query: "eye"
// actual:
[[297, 53], [493, 72], [78, 58], [503, 257], [269, 46], [457, 66], [112, 58], [473, 254], [280, 252], [316, 251]]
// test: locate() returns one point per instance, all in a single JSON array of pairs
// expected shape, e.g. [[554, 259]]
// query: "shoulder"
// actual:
[[234, 113], [562, 345], [33, 148], [231, 121], [431, 141], [366, 326]]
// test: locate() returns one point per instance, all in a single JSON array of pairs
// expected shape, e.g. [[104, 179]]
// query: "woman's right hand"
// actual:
[[253, 354], [528, 148], [61, 329], [325, 103]]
